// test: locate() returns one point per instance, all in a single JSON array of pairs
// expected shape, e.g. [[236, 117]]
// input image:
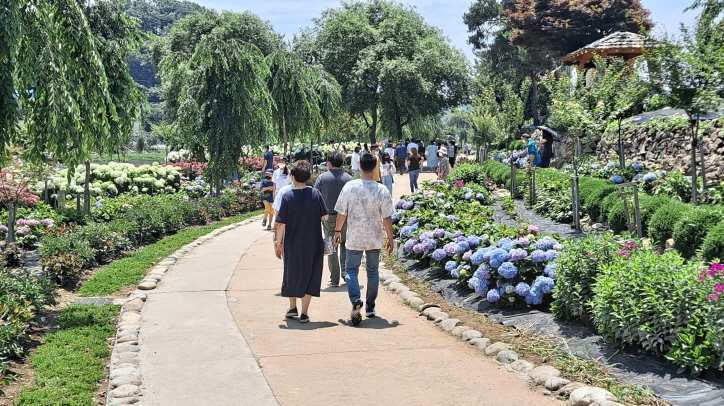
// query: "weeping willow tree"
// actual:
[[63, 64]]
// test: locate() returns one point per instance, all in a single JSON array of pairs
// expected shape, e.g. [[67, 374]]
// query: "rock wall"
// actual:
[[657, 150]]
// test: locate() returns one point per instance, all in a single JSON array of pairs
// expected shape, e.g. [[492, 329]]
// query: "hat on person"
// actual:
[[443, 150], [270, 171], [282, 158], [525, 136]]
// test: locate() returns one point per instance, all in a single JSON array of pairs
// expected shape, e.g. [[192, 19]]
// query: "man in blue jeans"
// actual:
[[400, 156], [367, 208]]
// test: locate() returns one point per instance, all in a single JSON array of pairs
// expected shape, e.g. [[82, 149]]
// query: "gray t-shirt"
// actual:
[[330, 184], [365, 203]]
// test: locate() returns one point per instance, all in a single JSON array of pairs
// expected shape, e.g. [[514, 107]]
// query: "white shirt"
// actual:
[[391, 152], [387, 169], [280, 179], [365, 203], [278, 198], [355, 161], [412, 145]]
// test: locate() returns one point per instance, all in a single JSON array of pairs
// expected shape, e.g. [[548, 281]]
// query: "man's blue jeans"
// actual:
[[354, 260]]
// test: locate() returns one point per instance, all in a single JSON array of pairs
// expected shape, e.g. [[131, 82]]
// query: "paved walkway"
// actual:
[[214, 333]]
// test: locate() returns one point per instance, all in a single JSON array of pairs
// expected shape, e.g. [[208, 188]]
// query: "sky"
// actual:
[[290, 16]]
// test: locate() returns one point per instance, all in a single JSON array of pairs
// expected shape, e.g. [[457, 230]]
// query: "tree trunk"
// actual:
[[86, 189], [534, 98], [373, 126], [12, 207], [621, 155], [694, 142]]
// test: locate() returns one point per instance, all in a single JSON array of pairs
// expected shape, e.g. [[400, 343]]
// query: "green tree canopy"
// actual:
[[392, 66]]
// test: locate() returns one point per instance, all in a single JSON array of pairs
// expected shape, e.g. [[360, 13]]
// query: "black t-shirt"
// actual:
[[414, 163]]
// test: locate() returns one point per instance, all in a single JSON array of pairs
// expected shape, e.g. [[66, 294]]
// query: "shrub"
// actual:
[[608, 202], [11, 255], [553, 195], [661, 225], [646, 299], [713, 246], [647, 207], [578, 267], [468, 173], [64, 256], [691, 229], [593, 192]]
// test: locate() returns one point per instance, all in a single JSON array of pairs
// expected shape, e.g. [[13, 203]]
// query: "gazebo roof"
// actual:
[[619, 42]]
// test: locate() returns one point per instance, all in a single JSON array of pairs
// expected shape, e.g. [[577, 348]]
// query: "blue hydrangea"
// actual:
[[412, 221], [523, 241], [518, 254], [487, 252], [649, 177], [438, 233], [522, 289], [637, 167], [594, 166], [508, 247], [395, 217], [457, 234], [610, 166], [477, 257], [451, 265], [538, 256], [418, 249], [506, 288], [552, 255], [461, 239], [483, 272], [544, 284], [546, 243], [515, 156], [550, 271], [468, 196], [481, 288], [521, 162], [504, 241], [637, 177], [409, 244], [407, 205], [493, 295], [449, 249], [452, 218], [498, 256], [439, 254], [455, 273], [426, 235], [480, 197], [473, 282], [474, 241], [429, 245], [467, 255], [407, 231], [507, 270], [461, 247], [617, 179], [534, 297]]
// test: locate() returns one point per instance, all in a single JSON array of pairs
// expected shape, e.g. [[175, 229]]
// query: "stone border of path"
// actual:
[[125, 381], [578, 394]]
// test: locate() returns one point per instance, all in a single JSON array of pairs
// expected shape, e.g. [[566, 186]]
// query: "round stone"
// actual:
[[131, 317], [449, 324], [407, 295], [129, 339], [147, 285], [470, 334], [415, 302], [125, 380], [507, 356], [125, 371], [125, 391], [493, 349]]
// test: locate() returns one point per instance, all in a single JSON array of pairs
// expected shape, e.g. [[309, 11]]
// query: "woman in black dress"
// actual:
[[299, 239], [547, 150]]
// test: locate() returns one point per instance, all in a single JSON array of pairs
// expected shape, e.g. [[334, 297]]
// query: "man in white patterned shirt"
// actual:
[[367, 208]]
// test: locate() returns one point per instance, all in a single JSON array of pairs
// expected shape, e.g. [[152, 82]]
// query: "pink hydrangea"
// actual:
[[32, 223], [20, 222], [533, 229], [48, 222], [23, 230]]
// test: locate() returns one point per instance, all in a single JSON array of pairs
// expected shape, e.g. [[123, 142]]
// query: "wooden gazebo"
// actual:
[[620, 44]]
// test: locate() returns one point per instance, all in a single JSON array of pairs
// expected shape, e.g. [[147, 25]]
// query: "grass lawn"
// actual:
[[133, 157], [72, 361], [130, 270]]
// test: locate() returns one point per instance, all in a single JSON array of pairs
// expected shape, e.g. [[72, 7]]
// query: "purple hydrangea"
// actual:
[[407, 205], [544, 284], [451, 265], [487, 252], [552, 255], [438, 233], [518, 254], [546, 243], [428, 245], [449, 249], [534, 297], [452, 218], [412, 221], [474, 241], [498, 256], [426, 235], [467, 255], [418, 249], [481, 288], [493, 295], [539, 256], [399, 204], [483, 272], [550, 271], [507, 270], [473, 282], [522, 289], [409, 244], [457, 234], [395, 217], [461, 247], [461, 239], [439, 254], [523, 241]]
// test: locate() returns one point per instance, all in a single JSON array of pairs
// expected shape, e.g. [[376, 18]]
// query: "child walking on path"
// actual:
[[267, 197]]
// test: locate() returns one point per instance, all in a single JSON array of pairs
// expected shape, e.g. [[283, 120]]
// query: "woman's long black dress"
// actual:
[[302, 211]]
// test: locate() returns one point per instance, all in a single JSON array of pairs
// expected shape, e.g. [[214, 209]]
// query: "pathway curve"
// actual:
[[214, 333]]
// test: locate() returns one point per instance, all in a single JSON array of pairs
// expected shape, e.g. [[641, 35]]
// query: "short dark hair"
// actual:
[[336, 159], [267, 148], [374, 146], [302, 171], [357, 148], [368, 163]]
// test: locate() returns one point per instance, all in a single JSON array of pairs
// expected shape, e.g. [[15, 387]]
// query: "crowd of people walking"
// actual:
[[352, 211]]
